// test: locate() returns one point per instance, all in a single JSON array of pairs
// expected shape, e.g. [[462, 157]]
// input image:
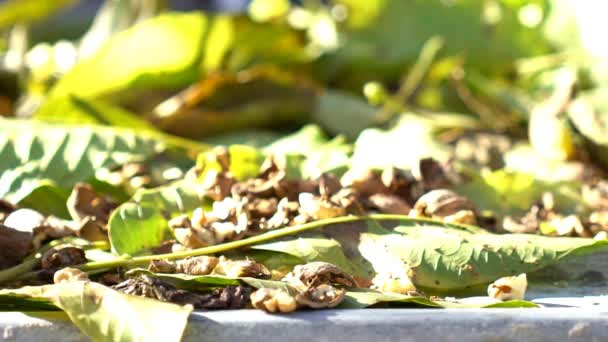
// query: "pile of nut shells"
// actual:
[[273, 200]]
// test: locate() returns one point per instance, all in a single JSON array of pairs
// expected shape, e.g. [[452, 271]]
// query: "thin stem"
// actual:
[[32, 261], [411, 80], [122, 262], [274, 234], [17, 270]]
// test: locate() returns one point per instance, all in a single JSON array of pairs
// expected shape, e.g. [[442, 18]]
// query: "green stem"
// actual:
[[32, 261], [218, 248], [274, 234], [411, 80], [14, 272]]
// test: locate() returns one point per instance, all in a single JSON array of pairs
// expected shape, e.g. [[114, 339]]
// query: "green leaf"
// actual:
[[208, 282], [162, 52], [447, 259], [512, 193], [382, 36], [75, 110], [258, 97], [444, 257], [142, 223], [104, 314], [48, 199], [357, 299], [340, 112], [257, 138], [65, 154], [316, 249]]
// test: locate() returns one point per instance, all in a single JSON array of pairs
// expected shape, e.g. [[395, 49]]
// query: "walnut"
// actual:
[[441, 203], [402, 183], [201, 265], [162, 266], [261, 208], [316, 273], [322, 296], [69, 274], [365, 182], [273, 300], [286, 212], [241, 268], [596, 195], [182, 221], [462, 217], [390, 204], [329, 185], [194, 238], [218, 185], [56, 258], [509, 288], [319, 208]]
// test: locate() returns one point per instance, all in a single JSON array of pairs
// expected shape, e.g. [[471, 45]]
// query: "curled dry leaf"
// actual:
[[14, 246], [322, 296], [69, 274], [241, 268], [56, 258], [85, 202], [509, 288], [273, 300]]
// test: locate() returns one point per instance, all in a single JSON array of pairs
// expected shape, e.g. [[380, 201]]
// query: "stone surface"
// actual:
[[573, 310], [588, 323]]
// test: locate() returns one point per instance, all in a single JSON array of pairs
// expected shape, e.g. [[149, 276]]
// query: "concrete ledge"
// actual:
[[545, 324]]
